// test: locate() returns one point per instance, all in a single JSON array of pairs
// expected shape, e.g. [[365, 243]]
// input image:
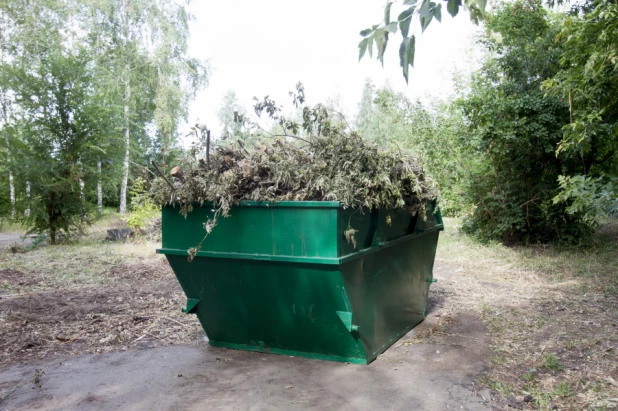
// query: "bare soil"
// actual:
[[133, 306]]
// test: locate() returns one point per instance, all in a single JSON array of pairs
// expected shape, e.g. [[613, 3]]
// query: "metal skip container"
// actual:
[[285, 278]]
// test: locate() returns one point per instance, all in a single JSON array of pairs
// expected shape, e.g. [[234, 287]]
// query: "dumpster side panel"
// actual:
[[277, 231], [278, 307], [388, 290], [283, 279]]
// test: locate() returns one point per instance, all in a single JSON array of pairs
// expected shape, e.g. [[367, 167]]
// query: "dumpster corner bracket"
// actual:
[[191, 305], [346, 319]]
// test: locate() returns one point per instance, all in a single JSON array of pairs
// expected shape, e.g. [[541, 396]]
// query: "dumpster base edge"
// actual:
[[291, 353], [393, 340]]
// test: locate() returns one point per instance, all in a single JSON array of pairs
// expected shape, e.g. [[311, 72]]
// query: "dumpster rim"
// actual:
[[268, 204], [304, 259]]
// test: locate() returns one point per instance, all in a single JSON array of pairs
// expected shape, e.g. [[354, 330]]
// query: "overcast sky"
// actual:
[[265, 47]]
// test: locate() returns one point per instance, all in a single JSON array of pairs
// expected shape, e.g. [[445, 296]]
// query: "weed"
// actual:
[[562, 390], [550, 362], [497, 386], [529, 376], [497, 360]]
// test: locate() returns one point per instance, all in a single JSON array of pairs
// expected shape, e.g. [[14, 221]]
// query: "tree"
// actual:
[[141, 48], [232, 117], [515, 128], [56, 116], [7, 129], [110, 89], [588, 79], [432, 131], [365, 107]]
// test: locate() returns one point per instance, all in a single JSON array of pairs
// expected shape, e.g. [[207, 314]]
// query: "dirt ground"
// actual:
[[101, 327], [433, 367], [137, 306]]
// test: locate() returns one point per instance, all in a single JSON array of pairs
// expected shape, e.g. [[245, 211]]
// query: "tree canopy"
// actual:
[[89, 90]]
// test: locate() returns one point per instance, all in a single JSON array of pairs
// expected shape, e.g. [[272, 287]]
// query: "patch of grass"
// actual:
[[496, 386], [540, 320], [545, 398], [497, 359], [539, 296], [7, 227], [81, 262], [562, 390], [550, 362]]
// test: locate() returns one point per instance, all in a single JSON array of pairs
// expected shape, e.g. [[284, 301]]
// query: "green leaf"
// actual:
[[410, 2], [425, 10], [381, 39], [370, 46], [437, 12], [482, 4], [391, 27], [453, 7], [405, 18], [387, 13], [366, 32], [425, 22], [406, 55], [362, 48]]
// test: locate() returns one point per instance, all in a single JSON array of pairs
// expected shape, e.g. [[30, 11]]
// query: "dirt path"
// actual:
[[433, 367], [9, 239]]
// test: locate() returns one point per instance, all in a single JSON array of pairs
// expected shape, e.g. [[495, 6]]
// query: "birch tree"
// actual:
[[142, 49]]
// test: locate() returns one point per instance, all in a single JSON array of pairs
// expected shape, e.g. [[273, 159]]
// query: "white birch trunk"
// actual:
[[99, 189], [125, 164], [5, 122], [11, 191], [127, 100], [27, 210]]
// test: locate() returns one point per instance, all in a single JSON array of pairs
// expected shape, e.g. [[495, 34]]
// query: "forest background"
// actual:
[[93, 92]]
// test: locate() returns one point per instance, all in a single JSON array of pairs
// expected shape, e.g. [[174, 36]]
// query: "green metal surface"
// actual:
[[281, 278]]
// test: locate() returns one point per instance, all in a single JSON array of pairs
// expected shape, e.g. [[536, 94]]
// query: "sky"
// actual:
[[259, 48]]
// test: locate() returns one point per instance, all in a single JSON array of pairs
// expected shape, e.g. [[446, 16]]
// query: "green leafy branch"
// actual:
[[426, 11]]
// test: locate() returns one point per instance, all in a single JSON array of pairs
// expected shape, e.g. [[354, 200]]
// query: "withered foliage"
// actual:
[[338, 167], [327, 164]]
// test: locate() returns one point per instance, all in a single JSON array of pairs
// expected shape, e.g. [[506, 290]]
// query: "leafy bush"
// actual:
[[515, 129], [143, 208]]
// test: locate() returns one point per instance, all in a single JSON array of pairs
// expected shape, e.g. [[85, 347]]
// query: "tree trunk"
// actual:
[[52, 217], [127, 101], [125, 164], [27, 211], [5, 123], [11, 192], [99, 190], [82, 197]]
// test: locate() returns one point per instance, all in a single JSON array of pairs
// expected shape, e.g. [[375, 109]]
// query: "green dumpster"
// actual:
[[283, 278]]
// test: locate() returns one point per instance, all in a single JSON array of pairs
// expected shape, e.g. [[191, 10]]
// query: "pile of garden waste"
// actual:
[[340, 167]]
